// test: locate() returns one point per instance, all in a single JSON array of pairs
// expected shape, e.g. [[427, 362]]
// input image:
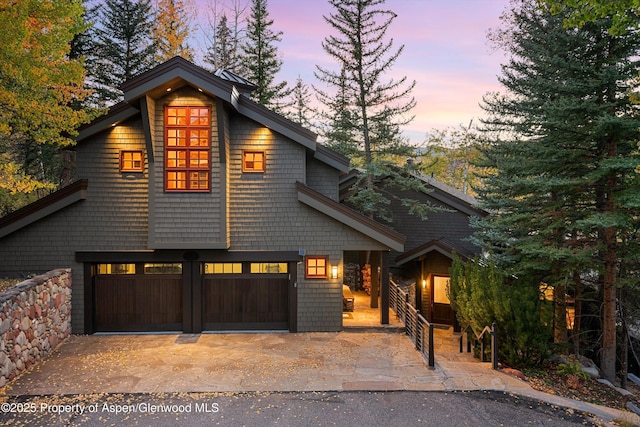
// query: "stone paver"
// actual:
[[369, 361]]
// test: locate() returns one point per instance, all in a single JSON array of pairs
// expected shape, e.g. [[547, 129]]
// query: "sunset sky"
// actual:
[[446, 52]]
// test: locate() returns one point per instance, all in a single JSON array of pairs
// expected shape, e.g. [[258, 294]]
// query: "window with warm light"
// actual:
[[253, 161], [116, 269], [316, 267], [131, 161], [222, 268], [268, 267], [187, 148]]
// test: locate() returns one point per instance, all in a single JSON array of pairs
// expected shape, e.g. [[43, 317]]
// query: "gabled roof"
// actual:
[[442, 192], [385, 235], [235, 79], [441, 246], [178, 72]]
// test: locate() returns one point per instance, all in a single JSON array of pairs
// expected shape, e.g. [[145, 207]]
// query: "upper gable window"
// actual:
[[131, 161], [253, 161], [187, 148]]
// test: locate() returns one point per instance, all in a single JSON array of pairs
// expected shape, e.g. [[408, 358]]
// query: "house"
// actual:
[[196, 209], [431, 243]]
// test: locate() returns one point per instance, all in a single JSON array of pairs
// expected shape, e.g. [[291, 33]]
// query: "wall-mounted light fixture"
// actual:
[[424, 284], [334, 271]]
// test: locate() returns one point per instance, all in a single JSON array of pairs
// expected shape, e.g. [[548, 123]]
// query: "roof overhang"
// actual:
[[43, 207], [441, 246], [351, 218]]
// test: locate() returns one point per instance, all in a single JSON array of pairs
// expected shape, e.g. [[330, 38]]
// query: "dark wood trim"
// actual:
[[174, 255], [196, 294], [79, 186], [187, 298], [222, 135], [384, 289], [293, 297], [146, 129], [89, 306]]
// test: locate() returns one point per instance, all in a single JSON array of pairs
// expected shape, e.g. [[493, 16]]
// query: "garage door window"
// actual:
[[164, 268], [223, 268], [116, 269], [269, 267]]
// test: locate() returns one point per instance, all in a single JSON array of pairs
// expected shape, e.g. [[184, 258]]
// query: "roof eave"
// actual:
[[378, 232]]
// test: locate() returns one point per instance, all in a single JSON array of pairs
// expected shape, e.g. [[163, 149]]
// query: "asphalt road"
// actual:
[[288, 409]]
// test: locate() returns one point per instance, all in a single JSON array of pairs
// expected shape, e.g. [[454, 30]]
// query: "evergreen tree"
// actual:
[[561, 168], [375, 109], [301, 111], [260, 56], [124, 47], [223, 51], [340, 119], [172, 30]]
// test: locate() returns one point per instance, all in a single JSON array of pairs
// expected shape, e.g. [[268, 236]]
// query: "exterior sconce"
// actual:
[[334, 271], [424, 284]]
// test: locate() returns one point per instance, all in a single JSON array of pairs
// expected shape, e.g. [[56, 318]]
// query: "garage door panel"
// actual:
[[136, 303], [247, 303]]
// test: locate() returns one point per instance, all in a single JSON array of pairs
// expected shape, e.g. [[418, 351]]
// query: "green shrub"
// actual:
[[481, 294]]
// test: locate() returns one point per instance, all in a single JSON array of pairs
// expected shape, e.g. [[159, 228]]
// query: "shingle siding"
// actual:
[[323, 179], [186, 220]]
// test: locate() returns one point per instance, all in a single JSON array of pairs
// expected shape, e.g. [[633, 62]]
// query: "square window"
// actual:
[[316, 267], [131, 161], [253, 161]]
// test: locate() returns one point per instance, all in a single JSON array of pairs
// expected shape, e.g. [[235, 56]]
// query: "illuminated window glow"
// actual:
[[316, 267], [163, 268], [223, 268], [269, 267], [116, 269], [187, 148], [131, 161], [253, 161]]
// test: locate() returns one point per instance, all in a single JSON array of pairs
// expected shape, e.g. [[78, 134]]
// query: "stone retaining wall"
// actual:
[[35, 317]]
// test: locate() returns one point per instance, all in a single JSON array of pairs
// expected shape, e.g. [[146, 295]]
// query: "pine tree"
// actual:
[[124, 47], [561, 167], [300, 111], [260, 55], [223, 54], [172, 30], [375, 108]]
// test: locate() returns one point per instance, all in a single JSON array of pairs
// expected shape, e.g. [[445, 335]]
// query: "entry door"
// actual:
[[442, 312]]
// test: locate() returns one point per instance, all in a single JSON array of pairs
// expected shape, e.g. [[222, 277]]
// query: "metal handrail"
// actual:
[[419, 330], [480, 337]]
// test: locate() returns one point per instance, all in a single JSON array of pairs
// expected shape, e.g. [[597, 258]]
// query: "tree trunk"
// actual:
[[577, 288], [560, 313]]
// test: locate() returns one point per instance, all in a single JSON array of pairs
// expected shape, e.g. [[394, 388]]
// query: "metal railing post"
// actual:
[[432, 362], [494, 346]]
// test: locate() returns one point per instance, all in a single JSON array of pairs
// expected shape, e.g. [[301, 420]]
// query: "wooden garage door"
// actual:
[[137, 302], [250, 302]]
